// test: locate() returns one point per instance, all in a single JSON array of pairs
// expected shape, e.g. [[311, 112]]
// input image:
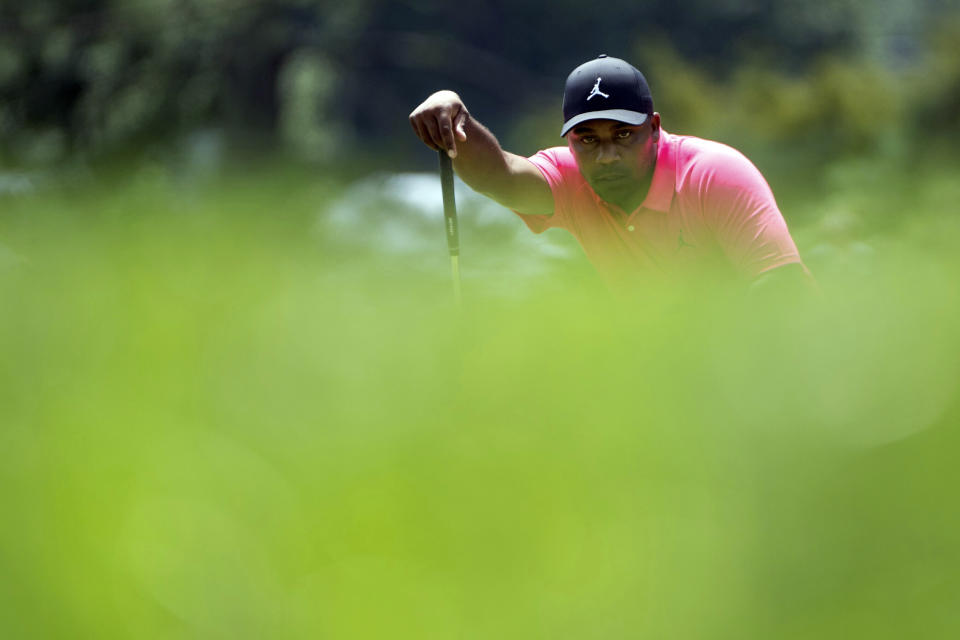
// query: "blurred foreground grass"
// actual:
[[217, 421]]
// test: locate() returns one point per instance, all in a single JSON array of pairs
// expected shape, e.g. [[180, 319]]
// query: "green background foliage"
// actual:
[[100, 77], [218, 422]]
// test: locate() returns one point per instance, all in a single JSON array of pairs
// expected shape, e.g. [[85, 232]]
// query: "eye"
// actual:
[[587, 139], [623, 134]]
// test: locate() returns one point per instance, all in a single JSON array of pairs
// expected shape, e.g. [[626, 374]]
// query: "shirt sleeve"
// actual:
[[549, 164], [739, 205]]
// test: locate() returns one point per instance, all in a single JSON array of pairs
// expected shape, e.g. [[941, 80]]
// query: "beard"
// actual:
[[615, 188]]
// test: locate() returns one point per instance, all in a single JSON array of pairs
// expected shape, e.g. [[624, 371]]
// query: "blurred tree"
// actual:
[[94, 76]]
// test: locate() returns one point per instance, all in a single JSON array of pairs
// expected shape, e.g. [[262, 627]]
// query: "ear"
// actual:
[[655, 126]]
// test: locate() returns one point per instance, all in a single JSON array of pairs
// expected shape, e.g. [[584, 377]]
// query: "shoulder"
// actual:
[[557, 164], [700, 155], [559, 157], [707, 164]]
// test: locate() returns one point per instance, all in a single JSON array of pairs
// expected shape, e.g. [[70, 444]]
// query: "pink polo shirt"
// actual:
[[708, 207]]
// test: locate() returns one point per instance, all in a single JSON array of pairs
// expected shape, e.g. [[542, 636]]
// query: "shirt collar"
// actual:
[[664, 178]]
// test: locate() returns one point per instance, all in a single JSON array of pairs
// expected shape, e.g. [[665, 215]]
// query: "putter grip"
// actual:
[[449, 204]]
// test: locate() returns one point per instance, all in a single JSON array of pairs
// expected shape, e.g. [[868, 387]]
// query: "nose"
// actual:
[[607, 154]]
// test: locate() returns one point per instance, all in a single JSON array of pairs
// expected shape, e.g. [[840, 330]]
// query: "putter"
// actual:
[[450, 220]]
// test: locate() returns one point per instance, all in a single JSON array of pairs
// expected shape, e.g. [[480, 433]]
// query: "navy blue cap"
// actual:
[[606, 88]]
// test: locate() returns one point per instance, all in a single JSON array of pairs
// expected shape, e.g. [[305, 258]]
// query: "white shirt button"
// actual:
[[631, 228]]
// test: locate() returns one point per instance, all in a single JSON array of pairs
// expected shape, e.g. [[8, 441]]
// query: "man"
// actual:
[[646, 206]]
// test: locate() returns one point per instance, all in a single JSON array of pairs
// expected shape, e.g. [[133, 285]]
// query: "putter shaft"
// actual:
[[450, 219]]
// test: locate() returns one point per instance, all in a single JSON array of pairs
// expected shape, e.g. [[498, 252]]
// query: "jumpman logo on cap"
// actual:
[[596, 91]]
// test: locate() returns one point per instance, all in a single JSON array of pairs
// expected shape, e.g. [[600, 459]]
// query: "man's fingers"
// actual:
[[416, 127], [423, 134], [446, 133], [432, 129], [458, 125], [439, 122]]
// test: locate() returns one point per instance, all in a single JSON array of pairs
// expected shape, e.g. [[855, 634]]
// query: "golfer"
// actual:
[[646, 205]]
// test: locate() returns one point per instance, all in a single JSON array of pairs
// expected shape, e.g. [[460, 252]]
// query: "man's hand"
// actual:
[[439, 121], [442, 121]]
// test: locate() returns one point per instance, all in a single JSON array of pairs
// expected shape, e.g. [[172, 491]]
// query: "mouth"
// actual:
[[609, 177]]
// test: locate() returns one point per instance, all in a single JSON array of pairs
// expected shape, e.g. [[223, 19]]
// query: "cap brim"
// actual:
[[620, 115]]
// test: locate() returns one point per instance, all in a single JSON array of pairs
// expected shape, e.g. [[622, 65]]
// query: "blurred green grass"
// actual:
[[219, 421]]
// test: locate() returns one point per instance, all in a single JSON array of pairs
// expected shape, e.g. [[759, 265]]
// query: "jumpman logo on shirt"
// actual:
[[596, 91], [683, 243]]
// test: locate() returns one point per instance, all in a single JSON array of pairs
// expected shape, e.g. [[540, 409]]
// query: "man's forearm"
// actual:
[[480, 161]]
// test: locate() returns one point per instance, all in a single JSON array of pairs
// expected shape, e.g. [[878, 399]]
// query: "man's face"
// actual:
[[617, 159]]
